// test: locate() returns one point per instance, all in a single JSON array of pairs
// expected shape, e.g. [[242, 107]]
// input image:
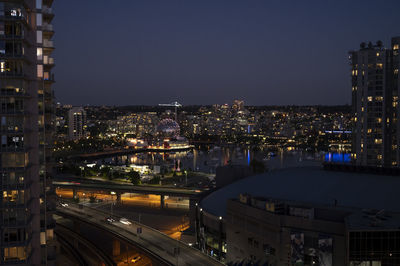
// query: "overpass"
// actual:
[[194, 195], [160, 247]]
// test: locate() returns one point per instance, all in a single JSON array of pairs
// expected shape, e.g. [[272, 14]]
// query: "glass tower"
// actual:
[[26, 119]]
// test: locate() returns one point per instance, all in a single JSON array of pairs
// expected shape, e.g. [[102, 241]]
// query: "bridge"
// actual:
[[160, 247], [193, 195]]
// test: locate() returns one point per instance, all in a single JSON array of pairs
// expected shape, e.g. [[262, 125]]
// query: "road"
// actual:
[[177, 192], [155, 242]]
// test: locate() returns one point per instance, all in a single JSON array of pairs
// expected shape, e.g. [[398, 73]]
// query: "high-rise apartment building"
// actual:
[[375, 91], [76, 123], [26, 226]]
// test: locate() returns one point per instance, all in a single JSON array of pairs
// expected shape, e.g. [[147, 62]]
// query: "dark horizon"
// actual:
[[201, 53]]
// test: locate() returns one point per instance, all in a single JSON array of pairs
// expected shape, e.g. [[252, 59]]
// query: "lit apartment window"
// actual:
[[38, 4], [379, 65], [39, 53], [396, 47], [370, 98], [14, 253], [378, 141], [42, 238], [39, 71]]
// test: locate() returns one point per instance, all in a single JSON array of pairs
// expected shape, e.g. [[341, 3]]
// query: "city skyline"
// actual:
[[264, 53]]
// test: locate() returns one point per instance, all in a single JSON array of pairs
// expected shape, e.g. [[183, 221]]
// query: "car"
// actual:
[[124, 221], [64, 204], [110, 219], [136, 259]]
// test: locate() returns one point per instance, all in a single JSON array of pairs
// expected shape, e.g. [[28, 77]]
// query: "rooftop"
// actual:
[[313, 185]]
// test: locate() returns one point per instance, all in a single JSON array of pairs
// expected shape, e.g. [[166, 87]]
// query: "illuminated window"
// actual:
[[378, 141], [42, 238], [396, 47], [396, 71], [377, 54], [50, 234], [14, 253], [370, 98], [379, 98], [39, 53], [379, 120], [379, 156], [369, 130], [39, 71], [379, 65]]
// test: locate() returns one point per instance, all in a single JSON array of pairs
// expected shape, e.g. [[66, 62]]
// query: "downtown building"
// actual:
[[76, 123], [27, 128], [375, 91]]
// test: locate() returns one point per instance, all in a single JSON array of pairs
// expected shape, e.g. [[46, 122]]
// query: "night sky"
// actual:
[[213, 51]]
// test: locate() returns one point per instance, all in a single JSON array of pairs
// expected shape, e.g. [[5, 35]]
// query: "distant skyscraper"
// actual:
[[76, 123], [375, 91], [26, 224]]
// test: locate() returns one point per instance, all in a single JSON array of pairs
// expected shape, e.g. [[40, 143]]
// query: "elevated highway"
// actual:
[[160, 247], [128, 188]]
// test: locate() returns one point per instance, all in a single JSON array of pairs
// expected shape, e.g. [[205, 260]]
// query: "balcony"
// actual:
[[47, 27], [48, 44], [49, 61], [47, 12]]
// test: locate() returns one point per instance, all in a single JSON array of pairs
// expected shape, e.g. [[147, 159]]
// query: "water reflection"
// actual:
[[206, 159]]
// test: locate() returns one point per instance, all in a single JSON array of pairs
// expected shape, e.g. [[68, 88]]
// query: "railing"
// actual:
[[48, 44], [48, 60], [47, 27], [47, 10]]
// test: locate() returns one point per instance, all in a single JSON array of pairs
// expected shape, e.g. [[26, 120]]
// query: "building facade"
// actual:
[[375, 90], [76, 123], [26, 231], [279, 218]]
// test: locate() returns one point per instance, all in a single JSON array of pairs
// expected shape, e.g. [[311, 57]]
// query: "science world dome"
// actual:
[[168, 128]]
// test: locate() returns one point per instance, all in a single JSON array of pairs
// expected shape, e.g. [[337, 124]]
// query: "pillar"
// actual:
[[118, 200], [193, 209], [74, 193], [116, 247], [221, 235], [162, 201]]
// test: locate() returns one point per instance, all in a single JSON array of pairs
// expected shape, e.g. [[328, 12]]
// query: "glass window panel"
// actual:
[[39, 19], [39, 53], [39, 36], [38, 4]]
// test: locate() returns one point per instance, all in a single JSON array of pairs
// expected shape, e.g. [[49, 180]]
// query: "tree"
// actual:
[[134, 177]]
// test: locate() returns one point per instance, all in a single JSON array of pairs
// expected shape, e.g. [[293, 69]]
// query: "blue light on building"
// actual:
[[334, 157]]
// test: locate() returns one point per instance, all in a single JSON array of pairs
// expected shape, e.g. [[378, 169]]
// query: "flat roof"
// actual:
[[315, 186]]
